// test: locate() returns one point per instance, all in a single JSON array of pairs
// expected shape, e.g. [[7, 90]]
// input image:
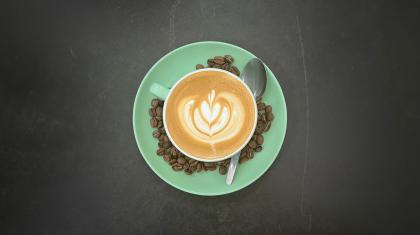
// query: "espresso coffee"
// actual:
[[210, 114]]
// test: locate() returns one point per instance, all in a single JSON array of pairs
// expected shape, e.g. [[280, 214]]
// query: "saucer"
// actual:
[[166, 72]]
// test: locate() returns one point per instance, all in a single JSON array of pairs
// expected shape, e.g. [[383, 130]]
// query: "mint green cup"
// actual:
[[164, 93], [166, 72]]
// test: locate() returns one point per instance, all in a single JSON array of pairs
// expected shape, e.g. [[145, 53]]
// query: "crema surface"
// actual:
[[210, 114]]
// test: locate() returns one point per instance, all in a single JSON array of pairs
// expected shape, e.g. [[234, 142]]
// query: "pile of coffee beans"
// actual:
[[179, 161], [221, 62]]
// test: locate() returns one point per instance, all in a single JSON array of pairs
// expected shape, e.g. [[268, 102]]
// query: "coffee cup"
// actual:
[[209, 114]]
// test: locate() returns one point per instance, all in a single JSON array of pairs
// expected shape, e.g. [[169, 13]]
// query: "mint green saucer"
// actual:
[[166, 72]]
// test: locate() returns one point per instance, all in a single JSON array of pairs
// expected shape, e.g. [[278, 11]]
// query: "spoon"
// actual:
[[255, 76]]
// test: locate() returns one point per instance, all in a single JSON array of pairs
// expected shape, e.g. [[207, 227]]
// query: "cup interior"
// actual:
[[249, 134]]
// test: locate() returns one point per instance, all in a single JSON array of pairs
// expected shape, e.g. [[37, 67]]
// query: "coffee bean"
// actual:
[[156, 134], [181, 160], [186, 166], [210, 62], [259, 148], [209, 164], [217, 66], [167, 145], [222, 170], [268, 109], [260, 127], [254, 137], [188, 171], [269, 116], [177, 167], [162, 130], [260, 106], [159, 118], [160, 144], [235, 70], [252, 144], [165, 138], [242, 160], [199, 66], [193, 163], [260, 139], [155, 103], [161, 138], [159, 111], [219, 60], [173, 161], [160, 151], [199, 167], [152, 112], [173, 151], [229, 59], [153, 122], [160, 124], [167, 157]]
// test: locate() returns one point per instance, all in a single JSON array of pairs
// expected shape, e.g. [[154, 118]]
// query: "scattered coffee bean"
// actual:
[[188, 171], [222, 170], [235, 70], [160, 151], [229, 59], [199, 66], [186, 166], [210, 62], [219, 60], [159, 111], [177, 167], [156, 133], [167, 145], [160, 124], [152, 112], [268, 109], [167, 157], [260, 139], [260, 127], [160, 145], [259, 148], [226, 66], [199, 167], [173, 151], [193, 163], [173, 161], [261, 106], [269, 116], [252, 144], [155, 103], [181, 160], [153, 122], [242, 160]]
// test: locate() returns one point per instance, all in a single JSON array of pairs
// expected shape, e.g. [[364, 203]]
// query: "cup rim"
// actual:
[[247, 139]]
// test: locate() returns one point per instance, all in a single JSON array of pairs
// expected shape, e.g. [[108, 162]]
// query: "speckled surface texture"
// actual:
[[69, 163]]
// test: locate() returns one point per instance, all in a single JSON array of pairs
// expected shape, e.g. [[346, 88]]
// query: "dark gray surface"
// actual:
[[69, 163]]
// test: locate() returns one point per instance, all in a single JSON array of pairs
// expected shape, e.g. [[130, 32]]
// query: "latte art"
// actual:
[[209, 118], [210, 115]]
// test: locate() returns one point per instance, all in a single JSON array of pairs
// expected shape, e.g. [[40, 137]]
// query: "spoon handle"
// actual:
[[232, 167]]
